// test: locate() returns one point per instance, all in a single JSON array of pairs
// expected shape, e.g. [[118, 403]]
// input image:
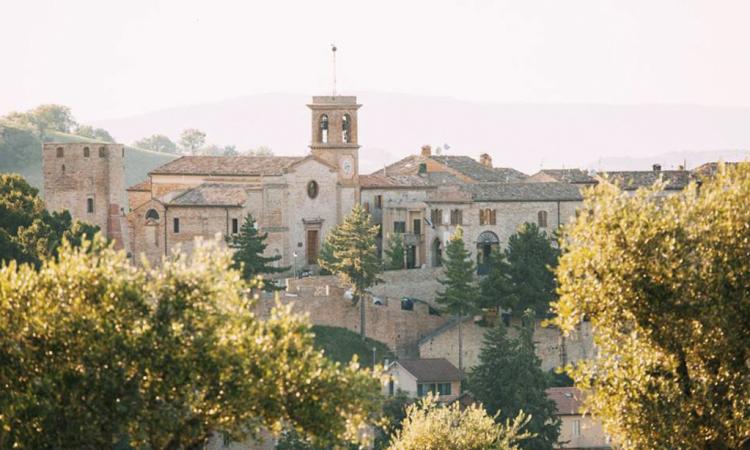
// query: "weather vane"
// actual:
[[333, 51]]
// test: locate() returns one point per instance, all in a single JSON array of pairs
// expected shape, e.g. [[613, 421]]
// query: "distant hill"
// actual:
[[21, 152], [524, 136]]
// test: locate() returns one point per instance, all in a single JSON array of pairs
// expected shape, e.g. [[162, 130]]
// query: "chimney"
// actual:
[[657, 167], [426, 150], [485, 160]]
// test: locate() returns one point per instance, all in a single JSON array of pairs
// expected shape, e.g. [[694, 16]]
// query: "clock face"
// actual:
[[347, 166]]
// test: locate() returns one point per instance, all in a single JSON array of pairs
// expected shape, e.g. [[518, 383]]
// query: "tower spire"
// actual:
[[333, 52]]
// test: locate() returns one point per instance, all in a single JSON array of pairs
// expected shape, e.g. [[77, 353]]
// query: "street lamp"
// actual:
[[294, 264]]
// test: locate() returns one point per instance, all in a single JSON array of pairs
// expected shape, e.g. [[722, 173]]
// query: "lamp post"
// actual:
[[294, 264]]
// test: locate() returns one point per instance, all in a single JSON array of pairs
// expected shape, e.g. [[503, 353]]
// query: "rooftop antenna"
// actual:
[[333, 52]]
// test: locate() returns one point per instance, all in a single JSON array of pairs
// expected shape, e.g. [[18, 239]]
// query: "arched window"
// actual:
[[346, 128], [542, 219], [324, 128], [487, 242], [152, 215], [102, 152], [60, 152], [86, 152]]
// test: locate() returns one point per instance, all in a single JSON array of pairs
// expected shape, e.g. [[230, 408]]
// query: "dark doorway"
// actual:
[[411, 256], [486, 243], [437, 253], [312, 247]]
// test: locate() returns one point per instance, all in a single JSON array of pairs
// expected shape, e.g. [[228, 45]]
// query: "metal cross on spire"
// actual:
[[333, 52]]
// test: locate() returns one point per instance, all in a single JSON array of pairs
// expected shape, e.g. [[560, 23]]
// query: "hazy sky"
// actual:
[[116, 58]]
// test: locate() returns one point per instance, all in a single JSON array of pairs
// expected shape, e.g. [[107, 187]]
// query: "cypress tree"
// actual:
[[497, 286], [460, 294], [509, 379], [249, 245]]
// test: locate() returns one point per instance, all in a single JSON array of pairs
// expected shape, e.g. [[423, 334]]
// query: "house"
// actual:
[[419, 377], [577, 431]]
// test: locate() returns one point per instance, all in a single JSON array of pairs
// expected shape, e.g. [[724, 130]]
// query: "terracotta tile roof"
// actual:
[[568, 400], [574, 176], [144, 185], [405, 166], [212, 194], [431, 369], [712, 168], [478, 171], [433, 179], [632, 180], [227, 165], [499, 192]]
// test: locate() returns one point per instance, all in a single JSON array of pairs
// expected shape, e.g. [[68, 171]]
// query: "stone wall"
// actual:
[[420, 283], [553, 349]]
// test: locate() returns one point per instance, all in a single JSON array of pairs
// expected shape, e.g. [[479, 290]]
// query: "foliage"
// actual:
[[429, 426], [395, 252], [98, 134], [160, 358], [393, 415], [351, 253], [45, 118], [496, 286], [341, 345], [527, 279], [249, 246], [665, 281], [509, 379], [460, 294], [262, 150], [192, 140], [157, 143], [28, 232], [230, 150], [559, 378]]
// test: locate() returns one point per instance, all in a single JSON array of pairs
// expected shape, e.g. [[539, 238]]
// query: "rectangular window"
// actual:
[[367, 206], [436, 215], [542, 219], [399, 227], [493, 217], [378, 201], [89, 205], [444, 388], [176, 225], [235, 226], [456, 217], [417, 226], [576, 428], [426, 388], [312, 247]]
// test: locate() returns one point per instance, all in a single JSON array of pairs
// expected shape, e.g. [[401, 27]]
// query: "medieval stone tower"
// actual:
[[334, 134], [87, 180]]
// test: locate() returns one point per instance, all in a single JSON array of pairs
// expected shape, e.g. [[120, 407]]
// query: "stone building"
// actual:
[[87, 180], [296, 200], [578, 431]]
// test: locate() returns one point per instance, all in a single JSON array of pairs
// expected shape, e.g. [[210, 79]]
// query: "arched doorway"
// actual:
[[437, 253], [486, 243]]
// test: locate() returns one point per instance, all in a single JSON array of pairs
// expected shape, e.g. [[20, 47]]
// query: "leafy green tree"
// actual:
[[28, 232], [394, 413], [429, 426], [160, 358], [460, 295], [351, 253], [509, 379], [192, 140], [524, 277], [157, 143], [230, 150], [394, 254], [99, 134], [249, 246], [664, 281], [262, 150]]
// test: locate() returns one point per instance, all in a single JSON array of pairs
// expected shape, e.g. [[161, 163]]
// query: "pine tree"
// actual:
[[497, 286], [460, 295], [509, 379], [395, 253], [351, 253], [249, 246], [523, 277]]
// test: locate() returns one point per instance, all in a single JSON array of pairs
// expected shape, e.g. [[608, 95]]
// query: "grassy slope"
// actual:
[[21, 152], [341, 344]]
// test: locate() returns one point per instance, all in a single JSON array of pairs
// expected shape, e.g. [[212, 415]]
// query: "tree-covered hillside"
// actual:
[[21, 152]]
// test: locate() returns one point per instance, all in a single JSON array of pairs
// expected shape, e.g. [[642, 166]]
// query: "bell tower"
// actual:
[[334, 134]]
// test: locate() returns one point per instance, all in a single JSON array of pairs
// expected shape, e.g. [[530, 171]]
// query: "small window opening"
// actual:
[[63, 169], [235, 226], [378, 201], [152, 215], [456, 217], [542, 219], [399, 227], [346, 126], [324, 128], [60, 152], [89, 205], [176, 225], [102, 152], [86, 152]]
